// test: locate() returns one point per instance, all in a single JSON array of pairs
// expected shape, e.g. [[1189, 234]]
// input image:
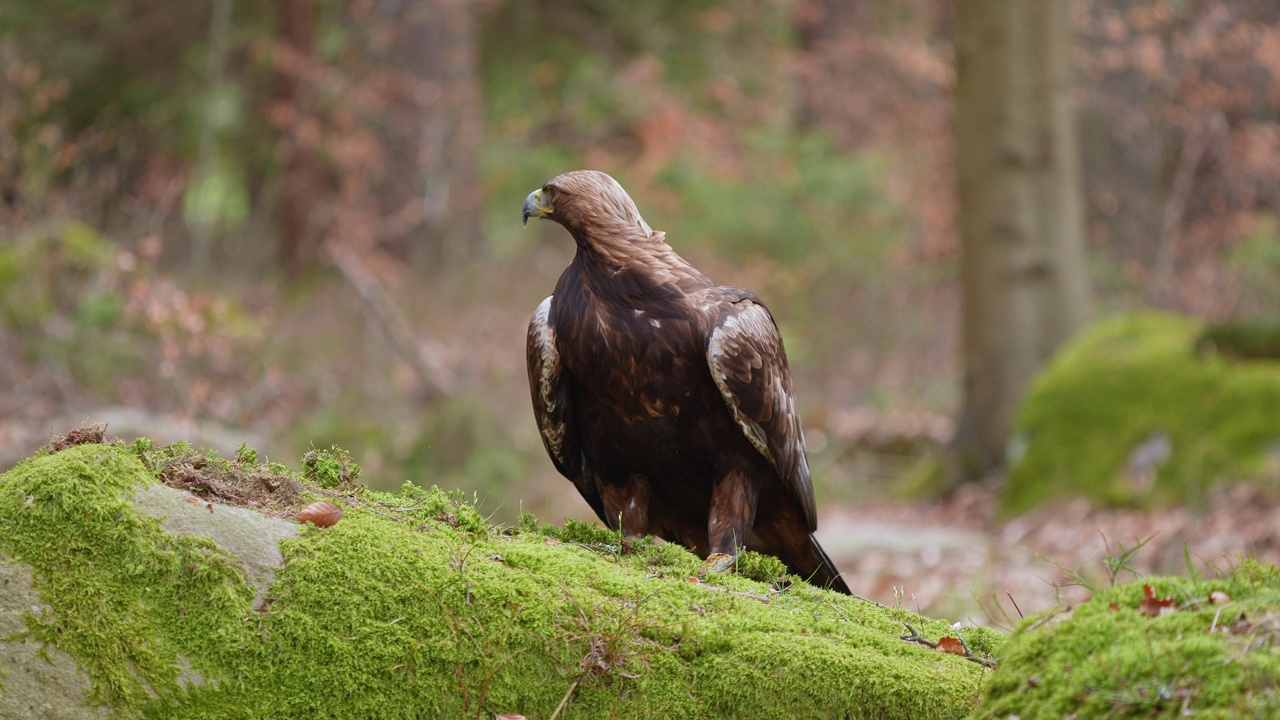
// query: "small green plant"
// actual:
[[617, 634], [1120, 559], [330, 468], [1113, 562], [997, 614], [246, 454]]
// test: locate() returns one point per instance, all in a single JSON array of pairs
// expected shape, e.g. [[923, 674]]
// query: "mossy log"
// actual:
[[125, 598], [1178, 648]]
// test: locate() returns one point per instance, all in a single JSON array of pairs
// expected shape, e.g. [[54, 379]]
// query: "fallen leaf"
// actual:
[[1154, 606], [951, 645], [1217, 597], [322, 514], [692, 579], [1113, 607], [549, 541]]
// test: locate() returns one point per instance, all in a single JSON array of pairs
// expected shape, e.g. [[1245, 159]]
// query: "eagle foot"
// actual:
[[718, 563]]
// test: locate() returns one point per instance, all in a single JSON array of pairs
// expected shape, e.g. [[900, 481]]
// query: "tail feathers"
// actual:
[[824, 573]]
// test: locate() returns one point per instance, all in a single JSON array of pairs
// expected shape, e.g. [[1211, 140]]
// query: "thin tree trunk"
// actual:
[[1023, 272], [301, 173], [438, 167]]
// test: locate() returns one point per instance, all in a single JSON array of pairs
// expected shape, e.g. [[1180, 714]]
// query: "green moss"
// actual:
[[1105, 659], [761, 568], [1138, 379], [411, 606], [329, 468], [127, 598], [1254, 339], [585, 533]]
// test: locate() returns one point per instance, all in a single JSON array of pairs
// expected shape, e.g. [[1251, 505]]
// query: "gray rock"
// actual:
[[33, 687], [253, 538]]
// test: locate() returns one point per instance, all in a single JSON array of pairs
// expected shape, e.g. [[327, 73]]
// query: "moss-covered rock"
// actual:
[[1209, 651], [413, 606], [1246, 340], [1130, 412]]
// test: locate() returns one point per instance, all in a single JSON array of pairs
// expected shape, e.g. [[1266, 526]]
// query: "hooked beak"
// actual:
[[534, 207]]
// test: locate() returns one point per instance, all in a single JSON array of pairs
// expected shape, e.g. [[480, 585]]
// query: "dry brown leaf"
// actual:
[[1217, 597], [951, 645], [550, 541], [1154, 606], [321, 514]]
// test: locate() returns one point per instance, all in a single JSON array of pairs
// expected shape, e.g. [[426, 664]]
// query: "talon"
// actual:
[[718, 563]]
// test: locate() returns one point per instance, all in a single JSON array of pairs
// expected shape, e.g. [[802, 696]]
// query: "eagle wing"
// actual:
[[550, 388], [749, 366]]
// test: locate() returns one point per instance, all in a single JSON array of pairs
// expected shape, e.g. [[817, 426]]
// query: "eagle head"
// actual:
[[585, 200]]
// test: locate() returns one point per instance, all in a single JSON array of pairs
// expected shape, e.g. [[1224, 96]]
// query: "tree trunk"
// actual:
[[1023, 273], [437, 174], [301, 180]]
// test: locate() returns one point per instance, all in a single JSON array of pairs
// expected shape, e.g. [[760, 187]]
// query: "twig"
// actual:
[[969, 653], [915, 638], [873, 602], [1247, 649], [1175, 205], [565, 700], [717, 588], [393, 321], [1015, 605]]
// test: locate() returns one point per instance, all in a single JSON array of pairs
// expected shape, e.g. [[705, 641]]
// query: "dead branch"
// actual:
[[393, 321]]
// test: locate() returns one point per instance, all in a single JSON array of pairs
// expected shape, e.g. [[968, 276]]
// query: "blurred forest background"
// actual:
[[296, 223]]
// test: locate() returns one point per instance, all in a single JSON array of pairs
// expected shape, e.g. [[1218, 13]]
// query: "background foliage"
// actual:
[[174, 179]]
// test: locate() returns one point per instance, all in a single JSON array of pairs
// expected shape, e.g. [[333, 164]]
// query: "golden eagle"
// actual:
[[665, 397]]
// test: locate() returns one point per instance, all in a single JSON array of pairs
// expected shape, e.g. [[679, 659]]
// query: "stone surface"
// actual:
[[33, 687], [253, 538]]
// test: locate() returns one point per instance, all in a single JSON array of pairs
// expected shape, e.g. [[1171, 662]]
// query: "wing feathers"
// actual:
[[551, 393], [749, 366]]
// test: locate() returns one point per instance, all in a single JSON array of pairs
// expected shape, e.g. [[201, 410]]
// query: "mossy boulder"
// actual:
[[1136, 411], [1208, 649], [410, 606]]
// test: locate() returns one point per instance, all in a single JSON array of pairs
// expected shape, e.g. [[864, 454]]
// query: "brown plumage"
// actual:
[[663, 396]]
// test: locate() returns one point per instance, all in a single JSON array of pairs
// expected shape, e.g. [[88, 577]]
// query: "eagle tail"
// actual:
[[824, 573]]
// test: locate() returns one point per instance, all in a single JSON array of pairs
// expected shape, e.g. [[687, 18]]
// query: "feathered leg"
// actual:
[[626, 505], [733, 511]]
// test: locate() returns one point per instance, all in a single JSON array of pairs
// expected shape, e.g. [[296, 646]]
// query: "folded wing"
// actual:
[[550, 389], [749, 366]]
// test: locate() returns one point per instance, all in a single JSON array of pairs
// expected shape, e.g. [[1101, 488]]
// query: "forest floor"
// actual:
[[951, 558]]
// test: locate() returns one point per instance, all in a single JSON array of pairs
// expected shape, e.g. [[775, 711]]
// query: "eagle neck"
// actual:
[[633, 271]]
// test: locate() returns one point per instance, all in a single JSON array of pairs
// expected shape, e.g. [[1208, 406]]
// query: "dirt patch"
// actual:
[[238, 482], [93, 434]]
